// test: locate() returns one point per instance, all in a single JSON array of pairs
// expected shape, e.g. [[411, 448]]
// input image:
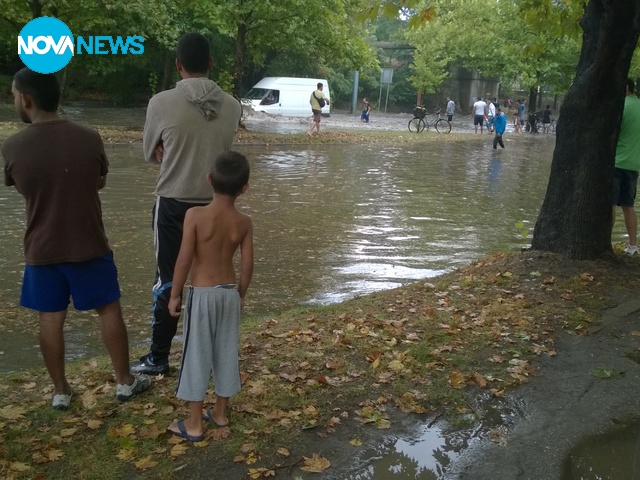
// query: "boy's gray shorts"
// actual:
[[211, 326]]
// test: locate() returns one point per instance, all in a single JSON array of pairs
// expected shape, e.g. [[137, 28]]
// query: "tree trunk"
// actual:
[[36, 9], [63, 85], [575, 218], [533, 99], [168, 67], [238, 64]]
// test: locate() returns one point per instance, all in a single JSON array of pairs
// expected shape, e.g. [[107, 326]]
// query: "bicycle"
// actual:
[[532, 124], [418, 123]]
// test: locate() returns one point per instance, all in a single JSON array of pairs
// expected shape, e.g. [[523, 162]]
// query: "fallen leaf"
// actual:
[[248, 447], [480, 380], [145, 463], [283, 451], [126, 454], [19, 467], [94, 424], [332, 422], [12, 412], [178, 450], [150, 432], [606, 373], [54, 455], [396, 366], [356, 442], [67, 432], [315, 464], [456, 379], [255, 473], [333, 364], [375, 364]]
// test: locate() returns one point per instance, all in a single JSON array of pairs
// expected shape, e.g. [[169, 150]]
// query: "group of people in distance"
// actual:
[[59, 167], [495, 118], [496, 121]]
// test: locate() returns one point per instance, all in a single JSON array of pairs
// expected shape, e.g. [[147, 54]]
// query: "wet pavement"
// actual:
[[566, 404]]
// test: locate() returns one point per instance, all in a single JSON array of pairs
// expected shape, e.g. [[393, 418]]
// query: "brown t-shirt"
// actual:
[[57, 167]]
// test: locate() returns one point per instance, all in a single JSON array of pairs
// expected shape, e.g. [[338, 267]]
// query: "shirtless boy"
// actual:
[[211, 236]]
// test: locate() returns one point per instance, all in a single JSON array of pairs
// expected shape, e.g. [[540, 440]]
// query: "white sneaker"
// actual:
[[140, 384], [60, 401], [631, 250]]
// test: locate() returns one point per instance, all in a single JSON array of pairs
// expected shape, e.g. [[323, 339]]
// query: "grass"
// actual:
[[424, 348]]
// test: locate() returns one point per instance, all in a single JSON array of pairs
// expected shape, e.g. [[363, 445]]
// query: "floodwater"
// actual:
[[331, 222]]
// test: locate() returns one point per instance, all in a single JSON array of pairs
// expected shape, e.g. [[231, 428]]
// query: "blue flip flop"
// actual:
[[208, 417], [182, 433]]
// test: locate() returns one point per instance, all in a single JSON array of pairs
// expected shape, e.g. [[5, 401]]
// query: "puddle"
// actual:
[[614, 455], [431, 449], [424, 458]]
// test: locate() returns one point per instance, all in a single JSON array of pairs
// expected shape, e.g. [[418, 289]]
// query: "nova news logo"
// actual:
[[46, 45]]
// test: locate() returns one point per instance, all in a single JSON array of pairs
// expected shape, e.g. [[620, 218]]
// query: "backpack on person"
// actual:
[[320, 101]]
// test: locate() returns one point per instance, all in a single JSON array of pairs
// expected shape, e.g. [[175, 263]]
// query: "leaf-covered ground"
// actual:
[[320, 380]]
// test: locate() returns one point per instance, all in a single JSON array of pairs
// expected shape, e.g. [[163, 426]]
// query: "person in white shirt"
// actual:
[[491, 116], [479, 114]]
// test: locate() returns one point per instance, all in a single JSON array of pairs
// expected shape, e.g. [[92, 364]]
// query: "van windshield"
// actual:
[[256, 93], [266, 97]]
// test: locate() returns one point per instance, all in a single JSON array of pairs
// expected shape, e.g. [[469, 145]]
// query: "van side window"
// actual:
[[272, 96]]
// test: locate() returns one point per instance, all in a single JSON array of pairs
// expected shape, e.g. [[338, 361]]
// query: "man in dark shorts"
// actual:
[[479, 114], [58, 167], [316, 109], [625, 176]]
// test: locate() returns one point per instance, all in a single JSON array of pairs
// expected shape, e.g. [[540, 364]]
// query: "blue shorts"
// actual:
[[91, 284]]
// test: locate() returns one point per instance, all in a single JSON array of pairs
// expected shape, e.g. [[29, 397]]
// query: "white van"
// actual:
[[285, 96]]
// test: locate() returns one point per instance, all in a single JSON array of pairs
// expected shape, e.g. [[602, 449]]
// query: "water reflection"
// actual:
[[331, 222], [425, 456]]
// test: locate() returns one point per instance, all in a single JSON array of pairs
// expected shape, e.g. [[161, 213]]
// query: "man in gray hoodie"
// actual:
[[186, 128]]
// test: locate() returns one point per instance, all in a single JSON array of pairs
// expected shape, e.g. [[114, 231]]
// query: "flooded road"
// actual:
[[331, 222]]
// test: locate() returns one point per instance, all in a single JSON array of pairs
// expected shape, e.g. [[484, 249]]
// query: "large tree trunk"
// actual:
[[168, 67], [36, 8], [533, 99], [575, 219], [238, 64]]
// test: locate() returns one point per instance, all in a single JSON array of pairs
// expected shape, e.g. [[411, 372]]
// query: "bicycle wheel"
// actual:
[[416, 125], [527, 127], [443, 126]]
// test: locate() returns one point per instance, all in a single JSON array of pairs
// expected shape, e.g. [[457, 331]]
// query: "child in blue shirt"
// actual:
[[500, 125]]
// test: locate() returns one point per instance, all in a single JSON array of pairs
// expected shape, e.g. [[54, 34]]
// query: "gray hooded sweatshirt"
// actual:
[[194, 122]]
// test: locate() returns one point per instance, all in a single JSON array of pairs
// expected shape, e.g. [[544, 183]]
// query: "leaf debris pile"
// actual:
[[422, 349]]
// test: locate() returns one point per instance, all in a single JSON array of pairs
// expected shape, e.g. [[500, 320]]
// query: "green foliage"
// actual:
[[495, 38], [293, 37], [153, 83]]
